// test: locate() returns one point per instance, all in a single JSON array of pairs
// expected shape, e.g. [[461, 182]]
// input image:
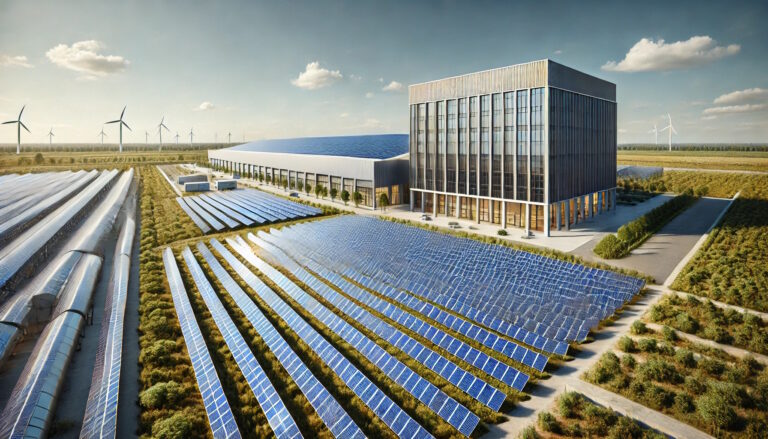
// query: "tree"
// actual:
[[269, 179], [293, 184], [318, 190], [383, 201], [325, 192], [39, 159], [357, 197], [345, 196], [334, 193], [261, 177], [284, 183], [308, 188], [300, 185]]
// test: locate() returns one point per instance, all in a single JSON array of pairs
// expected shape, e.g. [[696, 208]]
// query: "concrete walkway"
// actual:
[[173, 186], [763, 316], [731, 350]]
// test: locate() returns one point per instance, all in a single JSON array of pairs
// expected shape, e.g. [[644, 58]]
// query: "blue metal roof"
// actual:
[[380, 146]]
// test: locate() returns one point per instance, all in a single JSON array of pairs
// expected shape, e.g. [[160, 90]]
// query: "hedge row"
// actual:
[[636, 232]]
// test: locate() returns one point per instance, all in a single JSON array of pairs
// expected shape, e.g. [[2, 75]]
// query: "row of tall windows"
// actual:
[[488, 145]]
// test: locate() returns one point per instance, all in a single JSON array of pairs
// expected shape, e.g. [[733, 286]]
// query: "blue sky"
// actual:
[[284, 69]]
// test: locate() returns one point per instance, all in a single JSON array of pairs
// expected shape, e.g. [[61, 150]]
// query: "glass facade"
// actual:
[[463, 157], [522, 145], [474, 140], [421, 140], [451, 157], [485, 144], [497, 146], [537, 145], [414, 162], [509, 144], [440, 163], [431, 146]]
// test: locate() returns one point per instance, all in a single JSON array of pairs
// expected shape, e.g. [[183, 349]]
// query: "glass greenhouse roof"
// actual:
[[379, 146]]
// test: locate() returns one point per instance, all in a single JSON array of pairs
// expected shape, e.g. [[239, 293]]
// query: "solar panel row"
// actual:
[[332, 414], [243, 207], [217, 408], [381, 405], [273, 407], [443, 405]]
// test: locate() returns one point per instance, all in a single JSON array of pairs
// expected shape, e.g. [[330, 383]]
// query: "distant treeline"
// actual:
[[97, 147], [759, 147]]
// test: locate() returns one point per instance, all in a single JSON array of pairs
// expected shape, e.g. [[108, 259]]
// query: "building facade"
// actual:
[[531, 145], [370, 165]]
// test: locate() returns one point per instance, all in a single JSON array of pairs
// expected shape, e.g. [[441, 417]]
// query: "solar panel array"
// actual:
[[273, 407], [217, 408], [464, 380], [100, 419], [332, 414], [421, 326], [381, 405], [244, 207], [379, 146], [542, 302]]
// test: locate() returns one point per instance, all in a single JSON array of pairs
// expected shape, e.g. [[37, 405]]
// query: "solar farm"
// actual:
[[218, 211], [57, 232], [428, 335]]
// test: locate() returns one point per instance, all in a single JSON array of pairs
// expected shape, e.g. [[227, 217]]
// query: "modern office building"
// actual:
[[531, 145], [370, 165]]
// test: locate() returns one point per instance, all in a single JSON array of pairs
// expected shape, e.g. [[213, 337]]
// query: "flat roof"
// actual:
[[378, 146]]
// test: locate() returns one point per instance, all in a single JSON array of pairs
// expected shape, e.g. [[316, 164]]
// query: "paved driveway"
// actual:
[[660, 254]]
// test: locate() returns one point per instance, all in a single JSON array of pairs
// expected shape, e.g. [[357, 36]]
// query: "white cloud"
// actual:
[[558, 52], [369, 95], [355, 77], [84, 57], [14, 61], [710, 117], [730, 109], [344, 115], [381, 80], [648, 55], [393, 86], [314, 77], [205, 106], [372, 123], [742, 96]]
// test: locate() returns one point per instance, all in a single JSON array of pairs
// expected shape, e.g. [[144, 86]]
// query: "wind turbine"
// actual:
[[191, 136], [655, 134], [19, 124], [177, 137], [146, 137], [50, 136], [102, 134], [230, 137], [216, 137], [160, 127], [120, 122], [671, 130]]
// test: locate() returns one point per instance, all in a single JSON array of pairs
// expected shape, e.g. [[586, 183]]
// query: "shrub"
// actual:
[[685, 358], [161, 394], [712, 366], [686, 323], [715, 411], [39, 160], [625, 428], [606, 368], [627, 344], [548, 423], [684, 403], [502, 232], [695, 385], [717, 334], [638, 327], [599, 419], [158, 353], [658, 397], [669, 333], [610, 247], [174, 427], [656, 369], [568, 404], [628, 361], [529, 432], [647, 345]]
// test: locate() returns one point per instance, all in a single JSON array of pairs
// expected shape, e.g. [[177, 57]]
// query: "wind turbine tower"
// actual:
[[102, 134], [120, 123], [655, 134], [191, 136], [50, 137], [671, 130], [177, 137], [19, 125], [230, 136], [160, 127], [146, 137]]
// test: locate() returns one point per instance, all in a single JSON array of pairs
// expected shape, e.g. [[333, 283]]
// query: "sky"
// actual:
[[312, 68]]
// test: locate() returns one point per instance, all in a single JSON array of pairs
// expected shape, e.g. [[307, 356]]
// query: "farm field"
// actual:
[[732, 160], [64, 160]]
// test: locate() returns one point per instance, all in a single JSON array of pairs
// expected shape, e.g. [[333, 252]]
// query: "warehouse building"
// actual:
[[371, 165], [531, 145]]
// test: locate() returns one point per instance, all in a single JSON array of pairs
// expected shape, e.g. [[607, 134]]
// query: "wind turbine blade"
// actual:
[[113, 121], [10, 121], [664, 129], [25, 127], [126, 125], [22, 110], [673, 130], [121, 114]]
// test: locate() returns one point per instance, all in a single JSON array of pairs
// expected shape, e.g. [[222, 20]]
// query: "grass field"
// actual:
[[64, 160], [732, 160]]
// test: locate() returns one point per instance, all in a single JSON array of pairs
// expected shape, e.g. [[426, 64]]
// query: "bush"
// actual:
[[502, 232], [628, 361], [685, 358], [638, 327], [625, 428], [610, 247], [161, 394], [656, 369], [174, 427], [647, 345], [568, 404], [548, 423], [529, 432], [606, 368], [684, 403], [686, 323], [669, 333], [599, 419], [658, 397], [627, 344], [695, 385], [715, 411], [39, 160], [712, 366]]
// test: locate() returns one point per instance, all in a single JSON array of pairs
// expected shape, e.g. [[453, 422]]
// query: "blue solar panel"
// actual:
[[277, 414], [392, 415], [220, 416], [493, 367], [205, 228], [388, 364], [332, 414], [210, 219], [233, 211], [381, 146]]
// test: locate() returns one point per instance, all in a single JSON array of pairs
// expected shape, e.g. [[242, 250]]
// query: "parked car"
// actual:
[[294, 194]]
